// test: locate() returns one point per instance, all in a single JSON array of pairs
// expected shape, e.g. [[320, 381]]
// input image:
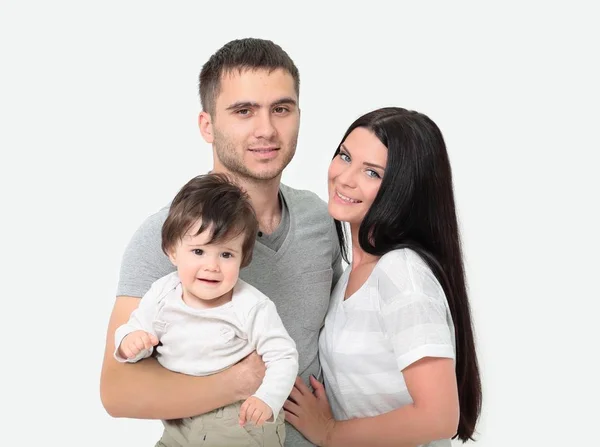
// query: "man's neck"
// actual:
[[264, 196]]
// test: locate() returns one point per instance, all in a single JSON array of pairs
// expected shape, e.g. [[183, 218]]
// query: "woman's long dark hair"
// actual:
[[415, 209]]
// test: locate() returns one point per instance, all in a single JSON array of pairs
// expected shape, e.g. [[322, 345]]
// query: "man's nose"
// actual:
[[264, 126]]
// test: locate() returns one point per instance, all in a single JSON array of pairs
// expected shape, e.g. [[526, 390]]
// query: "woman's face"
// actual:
[[355, 175]]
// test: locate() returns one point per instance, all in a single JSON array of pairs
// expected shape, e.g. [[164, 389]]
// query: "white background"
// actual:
[[98, 109]]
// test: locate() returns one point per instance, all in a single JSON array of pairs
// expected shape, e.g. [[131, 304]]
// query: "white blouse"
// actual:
[[398, 316]]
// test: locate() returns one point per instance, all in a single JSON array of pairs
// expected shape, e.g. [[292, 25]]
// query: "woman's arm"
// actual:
[[146, 390], [433, 415]]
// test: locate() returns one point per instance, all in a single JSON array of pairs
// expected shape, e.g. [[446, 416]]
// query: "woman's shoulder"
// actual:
[[404, 271], [406, 260]]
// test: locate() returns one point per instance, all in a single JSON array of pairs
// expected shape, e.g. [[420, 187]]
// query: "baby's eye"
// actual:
[[198, 251]]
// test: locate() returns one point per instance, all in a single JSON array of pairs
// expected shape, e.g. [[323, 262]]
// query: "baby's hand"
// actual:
[[255, 410], [135, 342]]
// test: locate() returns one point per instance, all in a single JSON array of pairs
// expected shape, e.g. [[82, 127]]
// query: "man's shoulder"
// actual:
[[151, 226], [157, 219], [300, 194], [303, 198]]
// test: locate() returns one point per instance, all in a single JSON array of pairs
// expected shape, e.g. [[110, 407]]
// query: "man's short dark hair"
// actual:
[[240, 55]]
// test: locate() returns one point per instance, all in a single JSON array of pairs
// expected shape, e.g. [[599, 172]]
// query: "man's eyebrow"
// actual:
[[251, 104], [366, 163], [243, 105], [286, 100]]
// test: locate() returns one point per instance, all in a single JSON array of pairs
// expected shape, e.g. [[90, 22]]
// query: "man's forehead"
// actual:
[[237, 73], [256, 85]]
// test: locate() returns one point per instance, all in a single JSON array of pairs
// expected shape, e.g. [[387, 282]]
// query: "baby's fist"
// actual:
[[135, 342], [256, 411]]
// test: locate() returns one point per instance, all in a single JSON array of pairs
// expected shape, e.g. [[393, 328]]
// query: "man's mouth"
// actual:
[[263, 149], [264, 153]]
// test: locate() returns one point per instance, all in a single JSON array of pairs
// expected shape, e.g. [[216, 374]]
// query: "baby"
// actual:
[[202, 318]]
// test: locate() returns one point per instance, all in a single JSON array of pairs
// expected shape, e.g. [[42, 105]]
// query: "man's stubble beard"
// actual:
[[228, 156]]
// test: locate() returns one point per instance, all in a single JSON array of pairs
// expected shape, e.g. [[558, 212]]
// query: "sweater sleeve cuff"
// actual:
[[120, 334], [274, 408]]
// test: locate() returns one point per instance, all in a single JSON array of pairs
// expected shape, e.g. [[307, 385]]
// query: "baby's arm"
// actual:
[[135, 346], [278, 351], [136, 339]]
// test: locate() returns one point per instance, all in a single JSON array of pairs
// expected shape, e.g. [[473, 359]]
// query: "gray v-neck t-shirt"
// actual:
[[276, 238]]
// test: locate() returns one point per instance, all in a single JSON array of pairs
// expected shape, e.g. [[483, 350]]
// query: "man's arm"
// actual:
[[146, 390]]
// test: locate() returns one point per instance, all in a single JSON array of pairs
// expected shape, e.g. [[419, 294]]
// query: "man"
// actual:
[[249, 90]]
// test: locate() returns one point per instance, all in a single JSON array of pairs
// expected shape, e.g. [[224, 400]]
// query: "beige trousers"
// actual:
[[220, 428]]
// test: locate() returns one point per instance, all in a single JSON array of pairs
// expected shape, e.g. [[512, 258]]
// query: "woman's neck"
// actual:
[[359, 256]]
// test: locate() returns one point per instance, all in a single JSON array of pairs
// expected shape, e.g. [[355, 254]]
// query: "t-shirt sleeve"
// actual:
[[417, 324], [417, 329], [143, 261]]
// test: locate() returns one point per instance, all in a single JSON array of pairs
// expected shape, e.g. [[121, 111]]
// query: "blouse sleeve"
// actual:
[[417, 324]]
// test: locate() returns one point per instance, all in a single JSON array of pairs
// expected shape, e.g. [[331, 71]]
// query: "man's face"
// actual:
[[255, 124]]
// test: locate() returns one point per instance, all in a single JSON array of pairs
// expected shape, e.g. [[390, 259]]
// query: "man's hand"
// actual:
[[136, 342], [256, 411], [250, 373]]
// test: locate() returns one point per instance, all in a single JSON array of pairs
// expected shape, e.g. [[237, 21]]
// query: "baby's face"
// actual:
[[208, 272]]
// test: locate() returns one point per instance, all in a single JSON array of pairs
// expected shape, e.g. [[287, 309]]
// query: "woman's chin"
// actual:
[[339, 214]]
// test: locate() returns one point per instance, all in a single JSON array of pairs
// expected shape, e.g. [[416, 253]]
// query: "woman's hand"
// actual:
[[309, 412]]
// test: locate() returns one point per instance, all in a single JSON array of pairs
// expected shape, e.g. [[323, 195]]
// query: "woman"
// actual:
[[397, 348]]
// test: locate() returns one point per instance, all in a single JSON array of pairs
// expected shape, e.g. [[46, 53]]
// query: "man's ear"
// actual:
[[206, 127]]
